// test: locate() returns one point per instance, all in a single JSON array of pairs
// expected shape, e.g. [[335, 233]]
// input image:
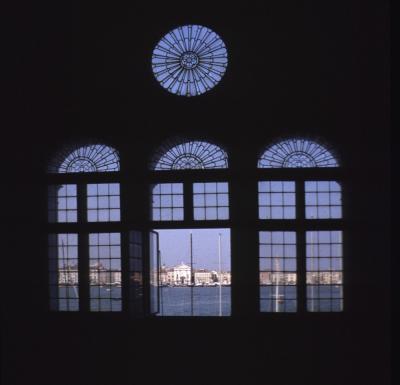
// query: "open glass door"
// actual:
[[136, 303], [154, 257], [194, 272]]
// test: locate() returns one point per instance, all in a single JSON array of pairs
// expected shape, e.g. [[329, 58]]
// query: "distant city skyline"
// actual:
[[175, 248]]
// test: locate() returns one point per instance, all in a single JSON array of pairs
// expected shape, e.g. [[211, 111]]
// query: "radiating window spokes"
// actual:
[[190, 155], [88, 158], [297, 153], [189, 60]]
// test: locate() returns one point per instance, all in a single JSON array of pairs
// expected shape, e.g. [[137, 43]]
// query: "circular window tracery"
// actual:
[[189, 60]]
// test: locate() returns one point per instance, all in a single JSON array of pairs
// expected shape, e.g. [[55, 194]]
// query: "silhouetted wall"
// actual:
[[295, 68]]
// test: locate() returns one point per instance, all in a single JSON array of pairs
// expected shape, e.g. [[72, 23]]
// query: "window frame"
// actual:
[[243, 222], [301, 224], [188, 177], [83, 228]]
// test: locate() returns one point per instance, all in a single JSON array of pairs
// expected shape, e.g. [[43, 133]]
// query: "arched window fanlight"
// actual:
[[189, 60], [87, 158], [189, 155], [297, 153]]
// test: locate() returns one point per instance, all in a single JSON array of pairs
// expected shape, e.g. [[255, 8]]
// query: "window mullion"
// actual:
[[301, 247], [188, 201], [83, 251]]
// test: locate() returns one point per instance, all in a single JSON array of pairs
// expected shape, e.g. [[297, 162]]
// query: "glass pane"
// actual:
[[194, 281]]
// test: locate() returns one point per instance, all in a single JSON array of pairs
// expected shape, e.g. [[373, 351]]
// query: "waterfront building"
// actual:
[[182, 274], [99, 275], [277, 278], [225, 277], [202, 277], [68, 275]]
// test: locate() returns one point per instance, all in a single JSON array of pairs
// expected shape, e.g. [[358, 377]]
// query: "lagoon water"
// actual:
[[207, 301]]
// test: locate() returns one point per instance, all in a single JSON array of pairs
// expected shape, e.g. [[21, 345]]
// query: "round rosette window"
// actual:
[[189, 60]]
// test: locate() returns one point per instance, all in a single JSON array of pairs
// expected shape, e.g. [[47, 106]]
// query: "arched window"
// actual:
[[301, 229], [189, 155], [87, 158], [185, 230], [190, 231], [297, 153], [84, 257]]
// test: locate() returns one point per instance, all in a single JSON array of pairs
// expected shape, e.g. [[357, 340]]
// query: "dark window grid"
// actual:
[[104, 251], [211, 201], [106, 305], [167, 207], [284, 306], [323, 186], [324, 278], [61, 253], [68, 292], [324, 257], [65, 304], [325, 305], [325, 291], [66, 270], [103, 302], [104, 215], [323, 200], [210, 187], [167, 202], [63, 247], [279, 292], [62, 203], [103, 189], [104, 239], [284, 265], [103, 202], [105, 269], [109, 296], [65, 292], [324, 271], [63, 272], [324, 237], [278, 298], [276, 200], [277, 238], [66, 211], [63, 216], [62, 190], [319, 264], [105, 266], [102, 278], [211, 206], [211, 213]]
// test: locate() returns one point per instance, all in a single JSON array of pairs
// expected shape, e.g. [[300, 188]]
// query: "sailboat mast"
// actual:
[[276, 285], [311, 269], [219, 267], [191, 273]]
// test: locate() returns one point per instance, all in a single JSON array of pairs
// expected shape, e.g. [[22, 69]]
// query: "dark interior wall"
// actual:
[[301, 68]]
